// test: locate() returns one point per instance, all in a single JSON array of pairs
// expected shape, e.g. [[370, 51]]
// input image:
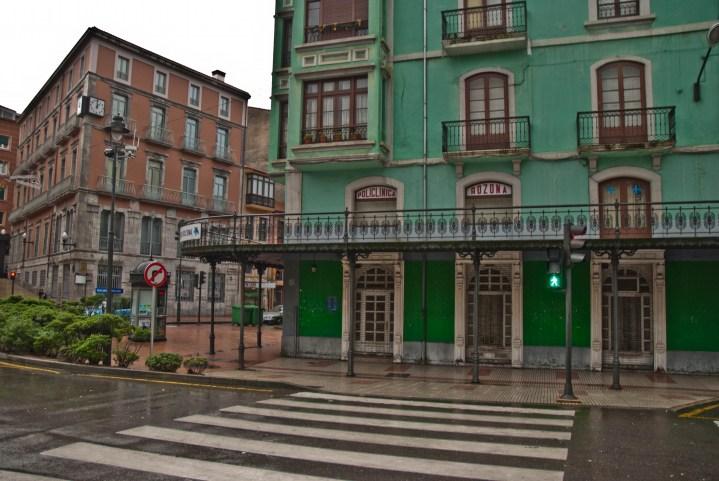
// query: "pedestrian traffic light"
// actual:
[[572, 243], [555, 280], [13, 275], [203, 277]]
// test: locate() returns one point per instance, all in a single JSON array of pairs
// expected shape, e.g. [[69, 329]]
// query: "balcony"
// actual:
[[169, 196], [193, 200], [223, 153], [637, 226], [67, 129], [122, 186], [217, 204], [193, 145], [629, 129], [117, 246], [468, 138], [490, 28], [334, 134], [61, 188], [321, 33], [260, 200], [159, 135]]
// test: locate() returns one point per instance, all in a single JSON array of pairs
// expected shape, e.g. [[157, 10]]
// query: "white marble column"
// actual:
[[459, 311], [660, 317], [596, 315], [517, 314]]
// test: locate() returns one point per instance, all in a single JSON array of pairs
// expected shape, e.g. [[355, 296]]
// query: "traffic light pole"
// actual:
[[199, 295], [213, 269], [568, 390]]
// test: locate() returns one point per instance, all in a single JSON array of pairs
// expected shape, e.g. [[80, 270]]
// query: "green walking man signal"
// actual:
[[555, 279]]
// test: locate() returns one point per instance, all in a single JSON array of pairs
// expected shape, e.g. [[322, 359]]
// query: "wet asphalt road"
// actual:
[[41, 411]]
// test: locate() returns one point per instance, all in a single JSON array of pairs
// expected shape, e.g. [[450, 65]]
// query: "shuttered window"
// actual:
[[330, 19]]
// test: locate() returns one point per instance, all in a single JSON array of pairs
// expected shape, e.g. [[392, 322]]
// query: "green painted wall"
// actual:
[[544, 309], [315, 287], [440, 302], [692, 316]]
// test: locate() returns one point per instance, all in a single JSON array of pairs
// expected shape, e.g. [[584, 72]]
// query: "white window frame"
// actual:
[[118, 55], [9, 143], [197, 180], [199, 96], [154, 83], [229, 107], [594, 20], [3, 168], [226, 176]]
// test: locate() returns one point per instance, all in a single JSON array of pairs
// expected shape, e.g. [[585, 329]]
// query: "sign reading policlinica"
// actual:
[[489, 189], [376, 192], [190, 232]]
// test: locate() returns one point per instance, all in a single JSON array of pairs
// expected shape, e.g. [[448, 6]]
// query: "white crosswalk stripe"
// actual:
[[15, 476], [505, 449], [354, 436], [391, 423], [348, 458], [564, 423], [436, 405]]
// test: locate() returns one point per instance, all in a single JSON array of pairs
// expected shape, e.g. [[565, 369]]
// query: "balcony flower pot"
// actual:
[[307, 139]]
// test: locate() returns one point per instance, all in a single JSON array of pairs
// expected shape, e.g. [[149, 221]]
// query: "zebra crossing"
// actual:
[[315, 436]]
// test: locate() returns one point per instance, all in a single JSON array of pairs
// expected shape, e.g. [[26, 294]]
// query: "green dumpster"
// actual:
[[252, 313]]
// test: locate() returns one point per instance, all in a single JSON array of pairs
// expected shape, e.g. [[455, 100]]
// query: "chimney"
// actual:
[[219, 75]]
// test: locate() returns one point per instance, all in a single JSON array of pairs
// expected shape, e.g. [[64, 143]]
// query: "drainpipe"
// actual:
[[424, 176]]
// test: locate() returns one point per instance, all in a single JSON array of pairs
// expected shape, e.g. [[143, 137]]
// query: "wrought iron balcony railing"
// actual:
[[631, 128], [224, 153], [669, 220], [105, 241], [159, 135], [485, 23], [334, 134], [217, 204], [617, 9], [193, 145], [334, 31], [509, 133], [122, 186]]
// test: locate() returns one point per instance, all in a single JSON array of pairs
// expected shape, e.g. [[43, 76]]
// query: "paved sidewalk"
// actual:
[[380, 377]]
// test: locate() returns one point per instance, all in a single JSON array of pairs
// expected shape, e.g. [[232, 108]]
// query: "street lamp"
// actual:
[[66, 240], [117, 131]]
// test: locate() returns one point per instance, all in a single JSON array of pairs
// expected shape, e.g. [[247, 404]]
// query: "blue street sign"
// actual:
[[103, 290]]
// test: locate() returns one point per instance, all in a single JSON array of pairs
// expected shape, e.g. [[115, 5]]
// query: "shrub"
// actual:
[[92, 301], [106, 324], [141, 334], [17, 335], [195, 364], [40, 313], [66, 354], [164, 362], [126, 355], [48, 342], [92, 349]]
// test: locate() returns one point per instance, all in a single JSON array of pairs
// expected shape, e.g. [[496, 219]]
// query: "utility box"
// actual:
[[141, 307]]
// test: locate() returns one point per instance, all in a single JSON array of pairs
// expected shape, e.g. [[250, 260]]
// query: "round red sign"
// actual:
[[155, 274]]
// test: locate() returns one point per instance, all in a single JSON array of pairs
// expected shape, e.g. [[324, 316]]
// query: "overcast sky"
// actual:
[[231, 35]]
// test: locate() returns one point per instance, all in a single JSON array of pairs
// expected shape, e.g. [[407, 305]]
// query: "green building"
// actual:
[[467, 124]]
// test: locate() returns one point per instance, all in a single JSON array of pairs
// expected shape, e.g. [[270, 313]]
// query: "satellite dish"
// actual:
[[713, 35]]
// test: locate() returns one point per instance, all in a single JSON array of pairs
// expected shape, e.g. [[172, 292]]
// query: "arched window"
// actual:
[[622, 103], [625, 206], [487, 108]]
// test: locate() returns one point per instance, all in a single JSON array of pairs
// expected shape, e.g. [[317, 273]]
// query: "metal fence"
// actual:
[[614, 221], [506, 133], [626, 127], [486, 22]]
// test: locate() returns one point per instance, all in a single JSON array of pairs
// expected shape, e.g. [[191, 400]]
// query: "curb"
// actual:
[[685, 408], [200, 380]]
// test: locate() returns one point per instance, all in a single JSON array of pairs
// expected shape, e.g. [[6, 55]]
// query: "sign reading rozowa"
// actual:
[[489, 189], [376, 192]]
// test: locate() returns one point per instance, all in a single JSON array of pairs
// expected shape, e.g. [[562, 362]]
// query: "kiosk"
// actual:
[[141, 309]]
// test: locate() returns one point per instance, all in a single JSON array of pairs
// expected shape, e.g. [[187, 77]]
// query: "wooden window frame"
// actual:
[[320, 97], [496, 141], [619, 135], [624, 209]]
